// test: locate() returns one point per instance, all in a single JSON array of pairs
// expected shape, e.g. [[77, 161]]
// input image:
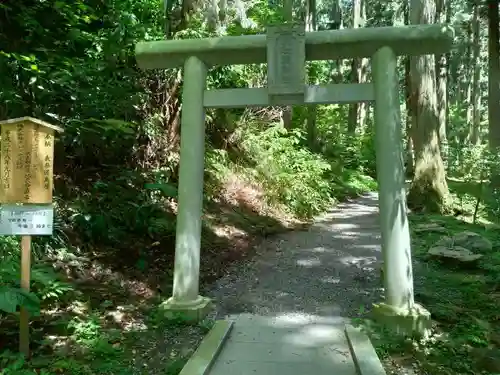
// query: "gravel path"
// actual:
[[332, 269]]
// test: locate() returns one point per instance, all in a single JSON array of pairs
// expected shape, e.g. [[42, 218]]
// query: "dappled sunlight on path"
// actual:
[[332, 269], [291, 343], [290, 304]]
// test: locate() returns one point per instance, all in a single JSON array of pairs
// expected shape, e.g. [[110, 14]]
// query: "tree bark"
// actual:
[[474, 132], [357, 111], [429, 190], [310, 21], [411, 108], [287, 112], [493, 87], [469, 72], [336, 23], [442, 16]]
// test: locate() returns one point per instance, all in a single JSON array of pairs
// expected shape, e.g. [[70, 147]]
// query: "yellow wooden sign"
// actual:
[[26, 160]]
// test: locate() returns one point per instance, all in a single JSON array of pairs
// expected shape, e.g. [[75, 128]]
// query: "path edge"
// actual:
[[363, 353], [204, 357]]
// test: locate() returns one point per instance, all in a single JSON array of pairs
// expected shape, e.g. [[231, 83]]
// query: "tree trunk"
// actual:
[[311, 127], [310, 21], [493, 87], [337, 23], [469, 72], [352, 118], [411, 108], [442, 83], [287, 113], [429, 189], [357, 111], [411, 118], [409, 162], [286, 117], [474, 132]]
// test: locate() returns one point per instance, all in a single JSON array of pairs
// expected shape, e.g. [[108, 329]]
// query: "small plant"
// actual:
[[206, 325], [13, 364], [11, 298]]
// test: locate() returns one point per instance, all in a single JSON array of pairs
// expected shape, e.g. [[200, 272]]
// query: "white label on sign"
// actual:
[[28, 220]]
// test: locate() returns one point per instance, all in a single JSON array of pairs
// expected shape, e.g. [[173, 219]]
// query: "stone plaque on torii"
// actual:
[[286, 64], [286, 49]]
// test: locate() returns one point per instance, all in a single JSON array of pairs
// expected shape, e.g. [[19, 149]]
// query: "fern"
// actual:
[[11, 298]]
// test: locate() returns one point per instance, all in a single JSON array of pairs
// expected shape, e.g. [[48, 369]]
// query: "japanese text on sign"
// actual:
[[27, 163], [26, 220], [286, 60], [6, 157]]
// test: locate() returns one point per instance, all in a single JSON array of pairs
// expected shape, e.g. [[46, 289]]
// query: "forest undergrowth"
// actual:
[[97, 282], [462, 297]]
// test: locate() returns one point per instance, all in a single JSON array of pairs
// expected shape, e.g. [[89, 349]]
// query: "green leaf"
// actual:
[[141, 264], [11, 298], [168, 190]]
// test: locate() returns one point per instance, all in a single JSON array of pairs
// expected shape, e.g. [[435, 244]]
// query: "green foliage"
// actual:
[[116, 164], [72, 59], [303, 181], [291, 174], [463, 303], [348, 151], [46, 285], [110, 140], [167, 190], [11, 298], [127, 205], [469, 162], [14, 364], [471, 167]]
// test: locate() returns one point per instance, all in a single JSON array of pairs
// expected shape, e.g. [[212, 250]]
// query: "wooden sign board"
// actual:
[[26, 160], [26, 220], [286, 60]]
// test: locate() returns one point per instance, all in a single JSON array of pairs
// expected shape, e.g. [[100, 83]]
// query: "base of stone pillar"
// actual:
[[188, 311], [407, 322]]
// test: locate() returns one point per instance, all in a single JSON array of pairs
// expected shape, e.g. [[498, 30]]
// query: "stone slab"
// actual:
[[260, 345], [286, 59], [270, 336], [364, 355], [306, 336], [271, 368], [289, 320], [206, 354], [288, 353]]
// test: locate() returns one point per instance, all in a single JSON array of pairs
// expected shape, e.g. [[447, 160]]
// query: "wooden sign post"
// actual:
[[26, 169]]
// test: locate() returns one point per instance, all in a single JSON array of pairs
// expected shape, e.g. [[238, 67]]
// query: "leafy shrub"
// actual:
[[350, 151], [291, 174], [128, 205], [46, 286]]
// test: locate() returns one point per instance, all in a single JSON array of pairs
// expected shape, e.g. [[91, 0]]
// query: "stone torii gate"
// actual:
[[286, 49]]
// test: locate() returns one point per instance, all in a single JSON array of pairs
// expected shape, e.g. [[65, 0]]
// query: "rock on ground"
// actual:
[[465, 247], [469, 240]]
